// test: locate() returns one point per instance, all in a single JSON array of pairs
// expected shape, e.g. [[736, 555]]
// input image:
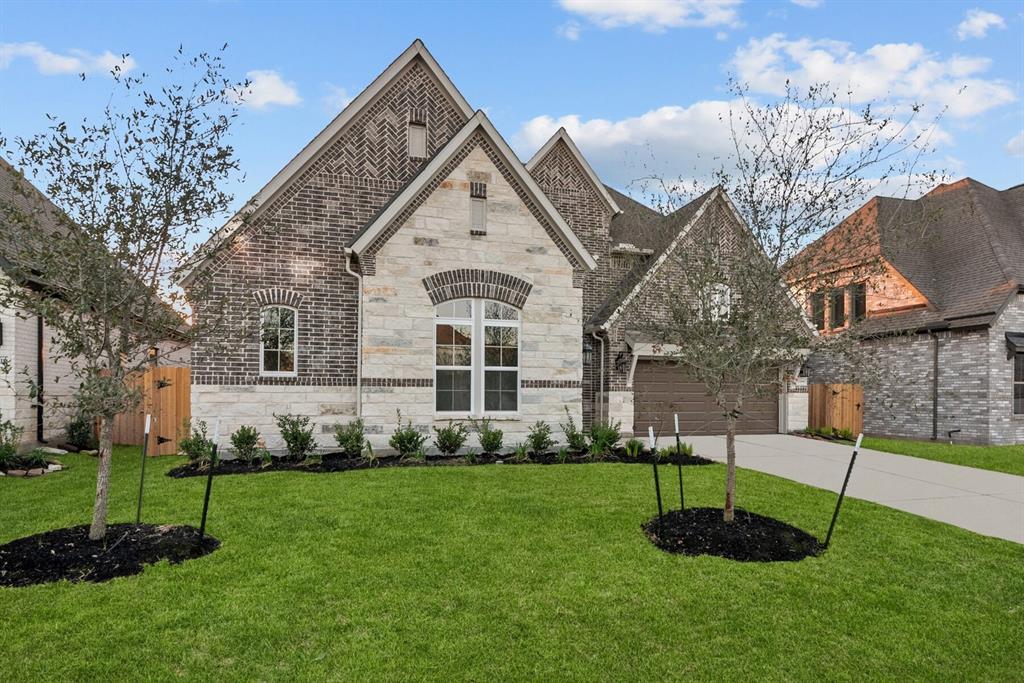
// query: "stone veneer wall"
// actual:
[[398, 353]]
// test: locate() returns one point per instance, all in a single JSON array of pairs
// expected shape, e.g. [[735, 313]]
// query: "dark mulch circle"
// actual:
[[69, 554], [334, 462], [749, 538]]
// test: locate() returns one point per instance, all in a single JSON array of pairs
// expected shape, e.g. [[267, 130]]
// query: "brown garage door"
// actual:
[[660, 390]]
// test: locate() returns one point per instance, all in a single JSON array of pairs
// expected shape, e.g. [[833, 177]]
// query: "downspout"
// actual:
[[40, 357], [600, 386], [359, 332], [935, 386]]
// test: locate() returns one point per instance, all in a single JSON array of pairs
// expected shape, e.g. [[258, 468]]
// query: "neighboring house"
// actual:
[[947, 294], [25, 340], [407, 260]]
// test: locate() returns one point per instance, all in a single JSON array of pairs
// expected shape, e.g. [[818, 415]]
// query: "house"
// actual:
[[407, 260], [37, 386], [944, 307]]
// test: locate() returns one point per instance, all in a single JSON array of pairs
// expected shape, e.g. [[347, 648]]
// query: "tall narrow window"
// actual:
[[476, 357], [859, 301], [818, 310], [417, 140], [278, 341], [718, 300], [1018, 384], [837, 304], [478, 208]]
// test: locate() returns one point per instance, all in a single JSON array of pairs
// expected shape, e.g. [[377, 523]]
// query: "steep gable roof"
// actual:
[[416, 51], [561, 136], [21, 200], [385, 222]]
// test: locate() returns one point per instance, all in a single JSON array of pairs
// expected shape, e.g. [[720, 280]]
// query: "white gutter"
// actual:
[[359, 332]]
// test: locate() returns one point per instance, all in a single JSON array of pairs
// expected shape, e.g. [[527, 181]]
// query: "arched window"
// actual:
[[476, 357], [279, 341]]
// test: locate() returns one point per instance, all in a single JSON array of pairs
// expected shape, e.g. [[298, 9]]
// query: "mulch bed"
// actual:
[[69, 554], [749, 538], [339, 463]]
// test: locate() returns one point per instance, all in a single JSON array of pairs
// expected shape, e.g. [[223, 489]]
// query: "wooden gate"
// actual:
[[840, 406], [166, 395]]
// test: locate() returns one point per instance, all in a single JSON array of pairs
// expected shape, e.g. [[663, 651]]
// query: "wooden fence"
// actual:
[[166, 395], [840, 406]]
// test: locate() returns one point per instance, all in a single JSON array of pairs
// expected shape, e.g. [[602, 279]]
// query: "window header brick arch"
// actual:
[[277, 296], [477, 284]]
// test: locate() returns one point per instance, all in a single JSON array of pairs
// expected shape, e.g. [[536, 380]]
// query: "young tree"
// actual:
[[135, 188], [797, 167]]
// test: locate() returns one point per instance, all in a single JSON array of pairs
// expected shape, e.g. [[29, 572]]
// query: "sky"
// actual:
[[640, 85]]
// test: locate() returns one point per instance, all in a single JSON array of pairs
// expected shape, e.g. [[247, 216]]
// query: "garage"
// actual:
[[661, 390]]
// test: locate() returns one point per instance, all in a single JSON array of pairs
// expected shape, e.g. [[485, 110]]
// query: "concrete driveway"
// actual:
[[989, 503]]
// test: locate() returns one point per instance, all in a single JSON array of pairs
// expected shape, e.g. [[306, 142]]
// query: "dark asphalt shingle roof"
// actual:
[[21, 201]]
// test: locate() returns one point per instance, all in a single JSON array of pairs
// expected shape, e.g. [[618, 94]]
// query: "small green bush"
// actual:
[[34, 459], [351, 438], [539, 437], [10, 435], [521, 453], [406, 440], [81, 434], [633, 448], [451, 438], [563, 455], [297, 435], [246, 444], [844, 434], [603, 437], [490, 439], [196, 445], [574, 436]]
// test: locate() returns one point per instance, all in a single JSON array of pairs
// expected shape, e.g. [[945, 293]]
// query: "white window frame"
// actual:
[[477, 368], [478, 209], [295, 343]]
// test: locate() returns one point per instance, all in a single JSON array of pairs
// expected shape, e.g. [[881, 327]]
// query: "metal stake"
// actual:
[[209, 480], [142, 475], [842, 492], [679, 466]]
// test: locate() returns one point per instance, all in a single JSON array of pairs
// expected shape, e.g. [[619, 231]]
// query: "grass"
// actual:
[[1009, 459], [504, 573]]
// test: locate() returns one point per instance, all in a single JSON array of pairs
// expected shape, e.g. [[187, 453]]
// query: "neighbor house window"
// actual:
[[859, 301], [1018, 384], [818, 310], [837, 306], [476, 357], [417, 140], [278, 341]]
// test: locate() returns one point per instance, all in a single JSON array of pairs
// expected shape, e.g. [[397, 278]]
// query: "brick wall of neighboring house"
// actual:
[[566, 184], [296, 244], [1004, 426], [398, 355]]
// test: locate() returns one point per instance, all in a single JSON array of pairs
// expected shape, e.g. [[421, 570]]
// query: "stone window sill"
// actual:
[[508, 417]]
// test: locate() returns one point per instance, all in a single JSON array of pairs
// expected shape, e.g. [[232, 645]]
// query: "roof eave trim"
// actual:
[[562, 134], [478, 121]]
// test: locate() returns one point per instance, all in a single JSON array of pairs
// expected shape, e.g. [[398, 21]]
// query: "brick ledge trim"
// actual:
[[277, 296], [477, 283], [551, 384], [256, 380]]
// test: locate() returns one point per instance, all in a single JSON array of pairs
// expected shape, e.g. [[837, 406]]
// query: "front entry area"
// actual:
[[663, 389]]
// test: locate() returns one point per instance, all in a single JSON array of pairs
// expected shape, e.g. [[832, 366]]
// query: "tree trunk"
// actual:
[[98, 530], [729, 513]]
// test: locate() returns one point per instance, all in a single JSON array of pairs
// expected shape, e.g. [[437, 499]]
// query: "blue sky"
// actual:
[[637, 83]]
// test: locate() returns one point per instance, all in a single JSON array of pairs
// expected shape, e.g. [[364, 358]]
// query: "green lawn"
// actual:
[[1009, 459], [504, 573]]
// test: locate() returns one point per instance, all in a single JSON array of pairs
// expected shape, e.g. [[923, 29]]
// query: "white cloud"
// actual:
[[51, 63], [809, 4], [570, 30], [901, 73], [655, 15], [1015, 145], [977, 22], [337, 98], [266, 87]]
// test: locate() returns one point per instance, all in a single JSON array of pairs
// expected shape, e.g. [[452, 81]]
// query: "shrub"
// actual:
[[35, 459], [406, 440], [490, 438], [574, 436], [521, 453], [470, 456], [196, 445], [563, 455], [844, 434], [297, 435], [246, 444], [81, 434], [10, 434], [351, 438], [451, 438], [539, 437], [633, 448], [604, 436]]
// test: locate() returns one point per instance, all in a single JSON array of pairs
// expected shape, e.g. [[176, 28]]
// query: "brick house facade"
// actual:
[[407, 260]]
